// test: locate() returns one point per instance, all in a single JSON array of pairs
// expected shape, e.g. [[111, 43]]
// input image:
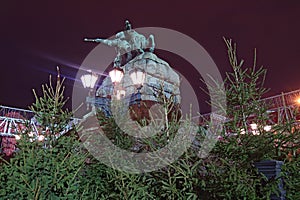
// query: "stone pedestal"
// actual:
[[160, 78]]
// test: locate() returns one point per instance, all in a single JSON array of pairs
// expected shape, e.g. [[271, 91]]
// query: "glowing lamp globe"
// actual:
[[116, 75], [137, 77], [89, 80]]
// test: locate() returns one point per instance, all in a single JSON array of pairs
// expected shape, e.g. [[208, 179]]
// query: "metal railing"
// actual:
[[14, 121], [280, 103]]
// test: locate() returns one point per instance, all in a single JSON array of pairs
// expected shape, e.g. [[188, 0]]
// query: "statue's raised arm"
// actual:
[[118, 42], [89, 40], [93, 40]]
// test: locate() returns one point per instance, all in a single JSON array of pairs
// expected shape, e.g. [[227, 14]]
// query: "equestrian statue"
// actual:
[[126, 42]]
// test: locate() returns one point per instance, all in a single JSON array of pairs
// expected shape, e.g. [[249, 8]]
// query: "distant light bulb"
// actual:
[[267, 128], [253, 126], [298, 100], [243, 131], [18, 137], [255, 132], [41, 138]]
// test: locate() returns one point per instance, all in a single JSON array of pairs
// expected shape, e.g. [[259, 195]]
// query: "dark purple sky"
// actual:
[[38, 35]]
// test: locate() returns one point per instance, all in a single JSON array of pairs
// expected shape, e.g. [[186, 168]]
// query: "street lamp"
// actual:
[[137, 77], [116, 75], [89, 80]]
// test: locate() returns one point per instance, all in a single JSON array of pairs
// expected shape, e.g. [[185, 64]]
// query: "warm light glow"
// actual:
[[253, 126], [30, 134], [267, 128], [243, 132], [89, 80], [137, 77], [255, 132], [116, 75], [298, 100], [18, 137], [41, 138], [254, 129]]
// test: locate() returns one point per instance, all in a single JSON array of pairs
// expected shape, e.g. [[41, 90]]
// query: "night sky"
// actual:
[[36, 36]]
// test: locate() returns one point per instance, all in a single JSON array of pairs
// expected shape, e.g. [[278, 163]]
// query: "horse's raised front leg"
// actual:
[[118, 60], [151, 42]]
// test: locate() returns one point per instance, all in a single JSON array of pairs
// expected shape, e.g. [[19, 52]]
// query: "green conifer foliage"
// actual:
[[46, 169]]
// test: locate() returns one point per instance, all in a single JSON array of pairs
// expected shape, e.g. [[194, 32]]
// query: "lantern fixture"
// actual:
[[116, 75], [137, 77], [89, 80]]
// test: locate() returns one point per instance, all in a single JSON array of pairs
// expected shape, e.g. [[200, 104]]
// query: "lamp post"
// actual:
[[89, 81]]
